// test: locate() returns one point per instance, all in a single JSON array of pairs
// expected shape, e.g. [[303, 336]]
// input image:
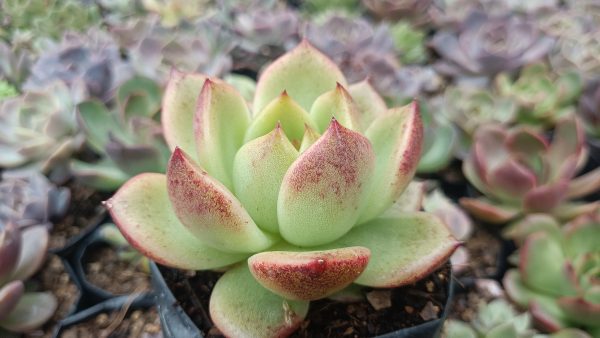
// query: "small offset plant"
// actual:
[[39, 129], [410, 42], [519, 172], [128, 139], [286, 202], [29, 204], [498, 319], [543, 97], [22, 252], [557, 277]]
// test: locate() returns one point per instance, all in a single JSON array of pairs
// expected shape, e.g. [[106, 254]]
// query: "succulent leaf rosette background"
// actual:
[[289, 200], [520, 172]]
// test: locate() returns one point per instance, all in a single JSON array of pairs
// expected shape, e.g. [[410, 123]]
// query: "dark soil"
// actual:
[[121, 324], [105, 269], [86, 207], [484, 250], [411, 305]]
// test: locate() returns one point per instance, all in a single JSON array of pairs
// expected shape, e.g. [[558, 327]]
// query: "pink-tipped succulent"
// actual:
[[519, 172], [22, 252], [288, 200], [558, 275]]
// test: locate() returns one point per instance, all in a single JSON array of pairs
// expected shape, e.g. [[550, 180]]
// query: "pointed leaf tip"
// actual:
[[329, 179], [209, 210], [308, 275]]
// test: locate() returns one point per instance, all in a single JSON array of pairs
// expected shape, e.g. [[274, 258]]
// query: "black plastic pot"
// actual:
[[176, 323], [92, 299]]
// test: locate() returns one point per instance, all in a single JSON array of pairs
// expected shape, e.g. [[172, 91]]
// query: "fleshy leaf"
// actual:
[[485, 210], [455, 218], [510, 180], [323, 191], [258, 169], [403, 249], [179, 108], [546, 197], [411, 200], [305, 73], [397, 139], [336, 104], [544, 267], [566, 146], [98, 123], [308, 275], [286, 112], [531, 223], [209, 210], [9, 297], [241, 307], [33, 310], [142, 211], [33, 252], [370, 103], [584, 184], [309, 138], [220, 123], [10, 250], [102, 175], [580, 311]]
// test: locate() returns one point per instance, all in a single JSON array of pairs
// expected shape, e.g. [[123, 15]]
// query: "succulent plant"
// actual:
[[128, 139], [263, 33], [410, 42], [174, 12], [28, 205], [519, 172], [557, 278], [485, 45], [22, 253], [470, 108], [291, 214], [414, 10], [577, 38], [364, 51], [14, 64], [154, 50], [39, 129], [440, 138], [25, 21], [499, 319], [28, 199], [92, 59], [543, 97], [589, 108]]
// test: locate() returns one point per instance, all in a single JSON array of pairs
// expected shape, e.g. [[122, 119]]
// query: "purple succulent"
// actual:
[[486, 45]]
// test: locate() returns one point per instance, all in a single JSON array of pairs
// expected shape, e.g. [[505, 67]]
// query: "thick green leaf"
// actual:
[[142, 211], [101, 175], [98, 123], [305, 73], [241, 307], [33, 310], [336, 104], [220, 124], [370, 103]]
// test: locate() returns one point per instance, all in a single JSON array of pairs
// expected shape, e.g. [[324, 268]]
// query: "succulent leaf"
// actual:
[[221, 120], [397, 140], [141, 209], [370, 103], [241, 307], [209, 210], [304, 73], [308, 275], [336, 104], [34, 244], [330, 179], [32, 310], [258, 171], [10, 294]]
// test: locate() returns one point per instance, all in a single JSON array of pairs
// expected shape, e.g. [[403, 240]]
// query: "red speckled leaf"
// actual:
[[308, 275], [209, 210], [324, 190], [336, 104]]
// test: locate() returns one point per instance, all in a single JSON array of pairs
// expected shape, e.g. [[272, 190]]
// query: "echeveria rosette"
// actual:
[[483, 46], [557, 276], [128, 138], [519, 172], [22, 252], [543, 97], [288, 200]]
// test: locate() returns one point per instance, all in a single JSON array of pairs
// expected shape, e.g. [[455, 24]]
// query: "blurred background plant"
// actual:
[[128, 138]]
